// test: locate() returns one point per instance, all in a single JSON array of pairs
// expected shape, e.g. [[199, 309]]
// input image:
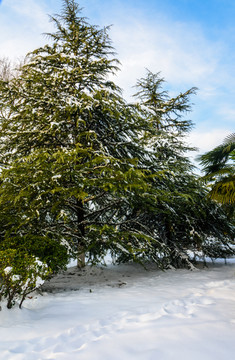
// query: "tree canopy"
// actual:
[[85, 172]]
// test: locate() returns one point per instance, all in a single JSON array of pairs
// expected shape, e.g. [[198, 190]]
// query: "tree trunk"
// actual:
[[80, 218], [81, 262]]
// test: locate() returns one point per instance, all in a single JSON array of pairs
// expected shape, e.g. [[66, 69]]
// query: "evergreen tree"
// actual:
[[178, 213], [70, 144], [86, 172]]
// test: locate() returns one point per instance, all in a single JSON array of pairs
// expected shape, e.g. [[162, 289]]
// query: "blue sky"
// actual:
[[191, 42]]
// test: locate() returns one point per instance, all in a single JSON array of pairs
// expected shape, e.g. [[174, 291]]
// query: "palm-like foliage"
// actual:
[[219, 170]]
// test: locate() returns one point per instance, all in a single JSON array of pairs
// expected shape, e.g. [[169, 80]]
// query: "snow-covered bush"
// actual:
[[20, 274], [47, 249]]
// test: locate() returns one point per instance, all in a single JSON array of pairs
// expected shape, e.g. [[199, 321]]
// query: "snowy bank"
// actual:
[[125, 312]]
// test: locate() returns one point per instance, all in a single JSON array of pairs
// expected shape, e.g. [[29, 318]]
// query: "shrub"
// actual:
[[20, 274], [48, 250]]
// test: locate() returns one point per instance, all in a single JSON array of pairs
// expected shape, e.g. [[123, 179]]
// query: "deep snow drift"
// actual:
[[125, 312]]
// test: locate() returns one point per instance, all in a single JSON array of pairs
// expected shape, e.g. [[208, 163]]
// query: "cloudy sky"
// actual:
[[191, 42]]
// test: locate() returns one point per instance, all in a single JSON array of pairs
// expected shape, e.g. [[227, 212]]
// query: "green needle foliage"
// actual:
[[70, 144], [177, 213], [84, 172]]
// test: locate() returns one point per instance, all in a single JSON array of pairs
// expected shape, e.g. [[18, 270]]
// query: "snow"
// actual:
[[8, 270], [15, 277], [40, 263], [126, 312], [39, 281]]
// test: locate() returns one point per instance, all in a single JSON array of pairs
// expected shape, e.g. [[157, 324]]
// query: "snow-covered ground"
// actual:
[[125, 312]]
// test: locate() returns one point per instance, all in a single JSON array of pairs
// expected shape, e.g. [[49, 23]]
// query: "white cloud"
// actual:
[[30, 9], [207, 140], [228, 112], [180, 51], [22, 24], [204, 141], [186, 57]]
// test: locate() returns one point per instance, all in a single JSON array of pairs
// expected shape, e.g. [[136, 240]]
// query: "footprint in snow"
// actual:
[[185, 308]]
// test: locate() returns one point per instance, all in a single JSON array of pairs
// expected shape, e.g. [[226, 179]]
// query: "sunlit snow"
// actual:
[[126, 312]]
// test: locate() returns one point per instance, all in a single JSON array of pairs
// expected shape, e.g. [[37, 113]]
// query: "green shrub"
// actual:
[[48, 250], [20, 274]]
